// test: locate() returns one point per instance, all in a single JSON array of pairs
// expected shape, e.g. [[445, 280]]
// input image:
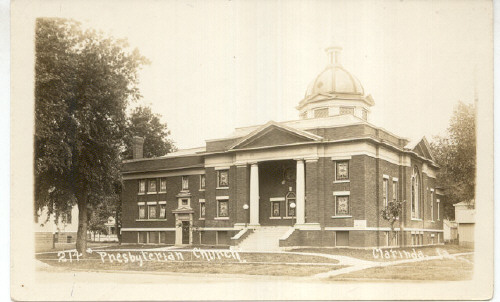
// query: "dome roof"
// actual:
[[335, 78]]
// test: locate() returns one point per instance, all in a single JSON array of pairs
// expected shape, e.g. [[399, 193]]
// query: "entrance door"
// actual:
[[185, 232]]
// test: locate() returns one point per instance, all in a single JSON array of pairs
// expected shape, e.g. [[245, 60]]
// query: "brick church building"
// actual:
[[321, 180]]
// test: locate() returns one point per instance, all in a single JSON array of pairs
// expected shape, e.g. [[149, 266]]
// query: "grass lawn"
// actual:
[[274, 264], [445, 269], [368, 254]]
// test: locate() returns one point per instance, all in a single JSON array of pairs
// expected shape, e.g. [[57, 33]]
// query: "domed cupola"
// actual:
[[335, 91]]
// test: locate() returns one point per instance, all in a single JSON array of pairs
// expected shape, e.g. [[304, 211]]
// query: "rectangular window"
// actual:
[[394, 190], [223, 179], [163, 185], [342, 205], [342, 238], [275, 209], [222, 208], [185, 202], [142, 237], [142, 186], [323, 112], [392, 240], [437, 202], [185, 183], [432, 204], [346, 110], [66, 217], [153, 237], [342, 170], [163, 211], [152, 186], [202, 182], [385, 188], [163, 237], [364, 114], [202, 208], [152, 211], [142, 211]]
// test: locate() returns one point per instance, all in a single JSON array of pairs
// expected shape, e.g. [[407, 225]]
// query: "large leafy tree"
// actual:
[[456, 155], [146, 124], [83, 83]]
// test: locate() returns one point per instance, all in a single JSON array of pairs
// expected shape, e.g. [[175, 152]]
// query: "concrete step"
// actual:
[[264, 239]]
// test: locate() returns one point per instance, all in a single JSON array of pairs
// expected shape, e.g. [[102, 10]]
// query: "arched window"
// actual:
[[415, 193], [290, 198]]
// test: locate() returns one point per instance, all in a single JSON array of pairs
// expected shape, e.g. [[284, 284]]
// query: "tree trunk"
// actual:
[[81, 235]]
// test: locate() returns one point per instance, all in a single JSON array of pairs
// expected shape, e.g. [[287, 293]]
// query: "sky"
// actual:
[[217, 65]]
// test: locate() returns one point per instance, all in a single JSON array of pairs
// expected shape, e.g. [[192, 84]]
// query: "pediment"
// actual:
[[423, 149], [183, 210], [274, 134]]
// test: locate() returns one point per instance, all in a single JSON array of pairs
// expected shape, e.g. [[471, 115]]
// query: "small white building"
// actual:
[[111, 234], [465, 217], [48, 231], [450, 231]]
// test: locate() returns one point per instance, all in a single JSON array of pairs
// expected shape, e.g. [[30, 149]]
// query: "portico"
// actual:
[[277, 193]]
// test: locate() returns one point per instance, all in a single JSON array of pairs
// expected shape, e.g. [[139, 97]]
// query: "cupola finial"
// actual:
[[333, 53]]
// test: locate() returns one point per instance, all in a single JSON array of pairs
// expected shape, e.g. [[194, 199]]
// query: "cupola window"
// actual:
[[346, 110], [323, 112]]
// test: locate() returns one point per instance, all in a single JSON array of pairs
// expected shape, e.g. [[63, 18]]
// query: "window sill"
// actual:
[[341, 181], [162, 192], [201, 190], [274, 217], [416, 219], [288, 217], [152, 193], [339, 217], [221, 218], [201, 218], [151, 219], [222, 188], [141, 193]]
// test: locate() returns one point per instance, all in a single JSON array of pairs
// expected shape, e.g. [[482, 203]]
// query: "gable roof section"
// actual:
[[274, 134], [421, 147]]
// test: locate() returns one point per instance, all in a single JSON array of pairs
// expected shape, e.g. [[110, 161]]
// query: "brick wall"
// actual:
[[211, 192], [310, 238]]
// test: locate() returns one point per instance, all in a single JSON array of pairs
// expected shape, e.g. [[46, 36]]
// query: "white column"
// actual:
[[254, 194], [301, 192]]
